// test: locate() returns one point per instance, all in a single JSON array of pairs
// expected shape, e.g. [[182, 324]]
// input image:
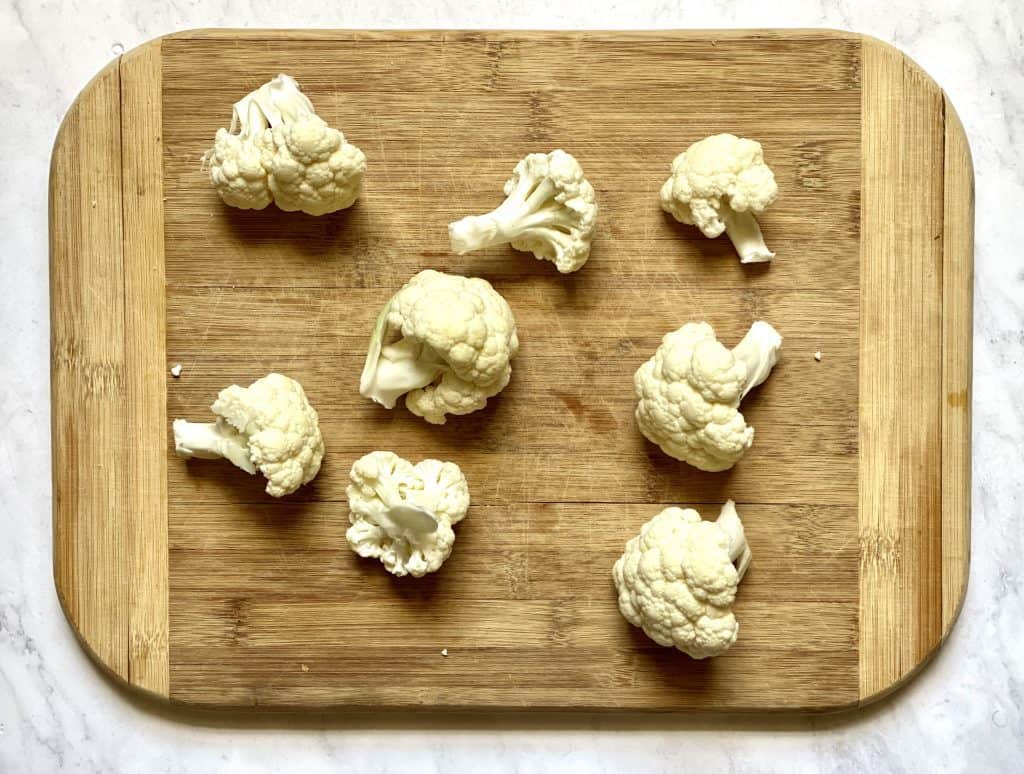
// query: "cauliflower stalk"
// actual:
[[279, 150], [690, 391], [445, 342], [677, 579], [550, 211], [402, 513], [268, 426], [719, 184]]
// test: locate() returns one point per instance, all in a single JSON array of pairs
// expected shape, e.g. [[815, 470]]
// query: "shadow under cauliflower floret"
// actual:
[[402, 514], [268, 426], [677, 579], [550, 211], [284, 153], [689, 393], [445, 342]]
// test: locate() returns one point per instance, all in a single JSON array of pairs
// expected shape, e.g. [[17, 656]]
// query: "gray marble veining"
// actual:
[[963, 714]]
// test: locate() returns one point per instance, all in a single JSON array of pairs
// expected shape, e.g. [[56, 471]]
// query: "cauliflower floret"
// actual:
[[445, 342], [690, 391], [237, 169], [402, 513], [677, 579], [284, 153], [268, 426], [551, 211], [313, 168], [718, 184]]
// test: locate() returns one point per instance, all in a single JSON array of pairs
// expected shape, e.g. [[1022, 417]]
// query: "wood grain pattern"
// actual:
[[957, 319], [146, 406], [905, 367], [87, 364], [228, 597]]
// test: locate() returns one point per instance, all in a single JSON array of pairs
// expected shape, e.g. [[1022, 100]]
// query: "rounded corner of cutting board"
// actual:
[[82, 99], [877, 693], [93, 650]]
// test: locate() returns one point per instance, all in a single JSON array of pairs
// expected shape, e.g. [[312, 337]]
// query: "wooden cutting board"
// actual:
[[186, 581]]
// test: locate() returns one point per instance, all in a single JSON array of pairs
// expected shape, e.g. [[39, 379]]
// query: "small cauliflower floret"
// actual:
[[268, 426], [677, 579], [445, 342], [402, 513], [690, 391], [719, 184], [284, 153], [550, 211]]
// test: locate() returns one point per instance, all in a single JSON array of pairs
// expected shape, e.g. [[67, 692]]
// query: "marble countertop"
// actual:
[[964, 713]]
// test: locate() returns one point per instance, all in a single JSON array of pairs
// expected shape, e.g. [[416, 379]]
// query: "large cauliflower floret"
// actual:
[[718, 184], [284, 153], [445, 342], [268, 426], [550, 211], [677, 579], [690, 391], [402, 513]]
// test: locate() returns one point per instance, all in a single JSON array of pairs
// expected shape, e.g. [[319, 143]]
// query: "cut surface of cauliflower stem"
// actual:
[[719, 184], [402, 514], [445, 342], [550, 211], [279, 150], [689, 393], [677, 579], [269, 427]]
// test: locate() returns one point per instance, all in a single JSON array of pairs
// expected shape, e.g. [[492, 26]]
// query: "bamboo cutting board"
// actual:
[[186, 581]]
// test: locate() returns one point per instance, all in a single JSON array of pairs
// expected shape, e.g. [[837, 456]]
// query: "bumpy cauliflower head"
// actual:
[[280, 430], [676, 580], [446, 342], [237, 170], [402, 514], [550, 211], [313, 168], [715, 175], [285, 153], [689, 393]]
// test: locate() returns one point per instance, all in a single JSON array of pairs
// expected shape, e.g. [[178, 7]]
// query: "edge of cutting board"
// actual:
[[108, 275]]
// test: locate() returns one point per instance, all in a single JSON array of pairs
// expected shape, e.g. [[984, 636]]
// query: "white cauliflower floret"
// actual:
[[284, 153], [677, 579], [551, 211], [268, 426], [445, 342], [237, 169], [313, 169], [690, 391], [718, 184], [402, 513]]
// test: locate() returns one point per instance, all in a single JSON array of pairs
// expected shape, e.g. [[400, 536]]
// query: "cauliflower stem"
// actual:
[[529, 210], [745, 232], [392, 370], [759, 351], [211, 441], [739, 551]]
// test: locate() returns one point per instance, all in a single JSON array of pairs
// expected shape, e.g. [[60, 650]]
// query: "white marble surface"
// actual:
[[964, 713]]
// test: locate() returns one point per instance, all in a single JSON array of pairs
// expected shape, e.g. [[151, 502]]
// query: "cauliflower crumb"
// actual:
[[817, 356], [176, 370], [444, 652]]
